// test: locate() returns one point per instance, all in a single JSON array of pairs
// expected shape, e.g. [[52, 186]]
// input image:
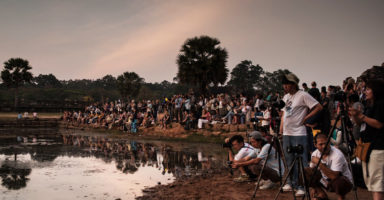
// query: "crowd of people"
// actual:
[[305, 131], [190, 111], [302, 117]]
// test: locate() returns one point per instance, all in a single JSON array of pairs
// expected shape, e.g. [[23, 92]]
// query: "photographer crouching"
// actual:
[[335, 174], [270, 174], [244, 153]]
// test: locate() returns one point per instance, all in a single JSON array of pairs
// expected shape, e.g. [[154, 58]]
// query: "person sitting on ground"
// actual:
[[228, 117], [187, 120], [244, 153], [271, 173], [205, 118], [266, 116], [335, 174]]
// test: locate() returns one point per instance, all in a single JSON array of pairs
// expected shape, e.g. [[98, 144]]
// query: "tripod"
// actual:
[[299, 160], [275, 142], [346, 136]]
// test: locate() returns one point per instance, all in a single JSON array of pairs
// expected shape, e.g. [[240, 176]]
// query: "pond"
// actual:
[[88, 167]]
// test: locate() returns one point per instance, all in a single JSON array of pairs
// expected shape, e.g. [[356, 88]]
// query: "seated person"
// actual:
[[205, 118], [244, 152], [335, 174], [187, 120], [271, 172]]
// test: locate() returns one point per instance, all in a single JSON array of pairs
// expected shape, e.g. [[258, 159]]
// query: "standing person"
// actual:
[[178, 106], [314, 91], [372, 131], [299, 106], [305, 87]]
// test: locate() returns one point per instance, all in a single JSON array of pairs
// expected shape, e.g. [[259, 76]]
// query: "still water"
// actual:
[[84, 167]]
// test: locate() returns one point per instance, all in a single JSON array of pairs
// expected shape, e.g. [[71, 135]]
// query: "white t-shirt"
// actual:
[[266, 116], [246, 151], [258, 103], [273, 162], [334, 161], [296, 108]]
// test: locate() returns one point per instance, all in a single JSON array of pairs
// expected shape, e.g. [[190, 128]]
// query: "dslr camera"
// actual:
[[298, 149], [227, 145]]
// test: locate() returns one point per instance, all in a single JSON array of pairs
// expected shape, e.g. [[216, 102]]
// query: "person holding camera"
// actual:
[[244, 153], [335, 173], [372, 132], [270, 173], [299, 106]]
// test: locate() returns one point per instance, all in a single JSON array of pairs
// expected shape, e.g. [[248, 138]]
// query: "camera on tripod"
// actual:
[[298, 149]]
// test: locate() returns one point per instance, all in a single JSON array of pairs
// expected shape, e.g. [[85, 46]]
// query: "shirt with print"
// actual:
[[296, 108]]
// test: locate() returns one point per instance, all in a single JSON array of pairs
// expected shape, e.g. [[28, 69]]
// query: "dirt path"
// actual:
[[219, 185]]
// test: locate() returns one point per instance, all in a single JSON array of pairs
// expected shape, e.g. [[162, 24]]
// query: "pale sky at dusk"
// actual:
[[323, 40]]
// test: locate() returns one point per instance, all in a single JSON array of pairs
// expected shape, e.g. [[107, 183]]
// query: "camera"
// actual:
[[227, 145], [299, 149]]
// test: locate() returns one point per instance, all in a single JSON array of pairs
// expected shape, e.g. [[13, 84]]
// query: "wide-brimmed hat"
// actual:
[[290, 78]]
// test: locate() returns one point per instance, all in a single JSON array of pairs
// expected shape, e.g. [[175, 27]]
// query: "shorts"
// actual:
[[374, 177]]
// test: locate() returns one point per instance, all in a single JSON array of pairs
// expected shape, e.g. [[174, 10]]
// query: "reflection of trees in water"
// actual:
[[13, 175], [130, 155]]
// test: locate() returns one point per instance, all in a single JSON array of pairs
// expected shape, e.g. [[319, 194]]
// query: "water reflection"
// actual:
[[78, 167], [14, 174], [130, 155]]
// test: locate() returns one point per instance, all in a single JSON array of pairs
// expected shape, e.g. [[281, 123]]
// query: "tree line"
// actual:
[[202, 68]]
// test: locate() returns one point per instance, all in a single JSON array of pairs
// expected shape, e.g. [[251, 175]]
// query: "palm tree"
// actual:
[[202, 62], [129, 84], [15, 74]]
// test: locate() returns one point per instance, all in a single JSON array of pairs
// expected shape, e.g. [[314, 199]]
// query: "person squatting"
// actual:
[[297, 125]]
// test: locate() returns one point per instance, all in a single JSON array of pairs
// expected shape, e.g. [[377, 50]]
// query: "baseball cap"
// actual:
[[256, 135]]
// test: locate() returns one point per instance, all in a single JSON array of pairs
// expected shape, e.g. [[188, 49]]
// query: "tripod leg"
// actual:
[[302, 173], [349, 153], [285, 180], [262, 170]]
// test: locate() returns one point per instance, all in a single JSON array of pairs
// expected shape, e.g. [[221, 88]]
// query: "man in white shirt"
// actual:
[[335, 173], [299, 106], [244, 153], [271, 172]]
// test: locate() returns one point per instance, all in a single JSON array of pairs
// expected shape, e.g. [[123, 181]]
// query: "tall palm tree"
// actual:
[[202, 62], [15, 74]]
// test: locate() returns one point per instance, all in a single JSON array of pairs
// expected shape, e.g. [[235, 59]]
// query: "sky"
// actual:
[[323, 41]]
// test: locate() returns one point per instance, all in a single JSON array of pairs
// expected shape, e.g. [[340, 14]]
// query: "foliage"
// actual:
[[202, 62], [129, 84], [271, 82], [16, 72], [245, 76], [46, 81], [107, 82]]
